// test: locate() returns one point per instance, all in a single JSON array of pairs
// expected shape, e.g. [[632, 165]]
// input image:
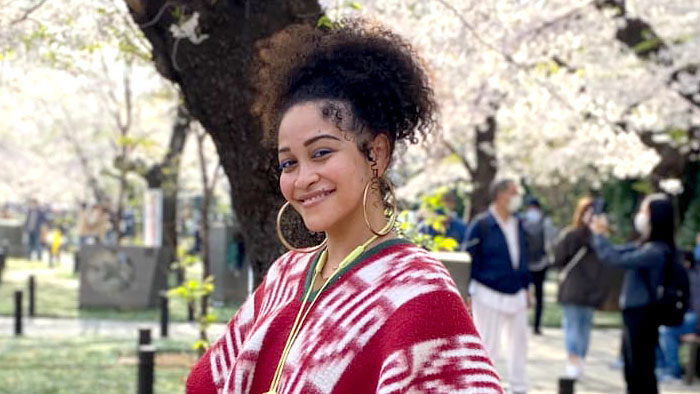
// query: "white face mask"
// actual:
[[533, 215], [515, 203], [642, 225]]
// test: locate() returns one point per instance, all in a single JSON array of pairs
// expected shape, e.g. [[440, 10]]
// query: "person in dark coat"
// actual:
[[643, 263], [583, 285], [35, 220], [667, 363]]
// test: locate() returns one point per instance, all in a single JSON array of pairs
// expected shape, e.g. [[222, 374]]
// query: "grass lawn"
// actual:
[[57, 293], [87, 366], [57, 296]]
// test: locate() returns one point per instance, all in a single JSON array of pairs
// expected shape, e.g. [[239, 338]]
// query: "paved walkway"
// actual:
[[546, 356], [546, 362], [49, 328]]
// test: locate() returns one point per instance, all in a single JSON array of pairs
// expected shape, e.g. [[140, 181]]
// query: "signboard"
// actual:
[[153, 218], [121, 276]]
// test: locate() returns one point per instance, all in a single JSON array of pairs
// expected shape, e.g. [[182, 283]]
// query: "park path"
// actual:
[[545, 357], [59, 328]]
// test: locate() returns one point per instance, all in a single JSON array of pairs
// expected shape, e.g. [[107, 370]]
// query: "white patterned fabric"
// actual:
[[393, 323]]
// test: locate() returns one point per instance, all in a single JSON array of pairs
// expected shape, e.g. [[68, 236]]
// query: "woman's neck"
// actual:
[[351, 233]]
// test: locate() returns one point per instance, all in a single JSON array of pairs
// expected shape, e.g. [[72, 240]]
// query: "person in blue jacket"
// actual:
[[500, 278], [643, 263]]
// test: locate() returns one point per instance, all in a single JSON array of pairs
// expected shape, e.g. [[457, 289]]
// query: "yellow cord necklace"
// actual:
[[304, 312]]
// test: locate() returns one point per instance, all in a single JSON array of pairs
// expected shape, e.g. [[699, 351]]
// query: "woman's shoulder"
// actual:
[[405, 264], [288, 265], [409, 255]]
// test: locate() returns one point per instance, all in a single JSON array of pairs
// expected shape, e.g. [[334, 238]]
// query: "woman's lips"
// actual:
[[314, 198]]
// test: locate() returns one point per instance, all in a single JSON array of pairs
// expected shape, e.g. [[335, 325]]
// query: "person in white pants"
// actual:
[[499, 281]]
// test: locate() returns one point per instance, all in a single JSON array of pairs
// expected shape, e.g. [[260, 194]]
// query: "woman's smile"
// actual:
[[314, 198]]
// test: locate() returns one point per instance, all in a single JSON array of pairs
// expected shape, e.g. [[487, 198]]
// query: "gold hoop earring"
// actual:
[[286, 244], [394, 209]]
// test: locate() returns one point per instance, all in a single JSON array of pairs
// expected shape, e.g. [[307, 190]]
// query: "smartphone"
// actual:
[[599, 206]]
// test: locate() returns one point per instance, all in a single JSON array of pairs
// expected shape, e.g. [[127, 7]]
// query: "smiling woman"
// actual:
[[364, 311]]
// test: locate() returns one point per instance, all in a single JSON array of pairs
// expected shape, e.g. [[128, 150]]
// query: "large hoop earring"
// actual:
[[287, 244], [394, 209]]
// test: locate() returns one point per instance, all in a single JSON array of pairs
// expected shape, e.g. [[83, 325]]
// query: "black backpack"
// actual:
[[672, 294], [535, 240]]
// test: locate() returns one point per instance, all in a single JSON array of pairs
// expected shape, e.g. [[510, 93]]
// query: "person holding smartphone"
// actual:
[[583, 284], [643, 262]]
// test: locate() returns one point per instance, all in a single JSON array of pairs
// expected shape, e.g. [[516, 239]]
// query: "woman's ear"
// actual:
[[380, 153]]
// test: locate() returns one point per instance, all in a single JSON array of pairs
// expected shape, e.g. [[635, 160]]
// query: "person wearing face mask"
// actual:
[[500, 278], [540, 235], [643, 263]]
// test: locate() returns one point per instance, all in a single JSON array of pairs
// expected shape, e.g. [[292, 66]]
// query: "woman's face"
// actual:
[[323, 172]]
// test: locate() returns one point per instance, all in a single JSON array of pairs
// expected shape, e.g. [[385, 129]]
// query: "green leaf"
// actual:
[[354, 5], [647, 45], [678, 135], [200, 344], [325, 22], [445, 243], [180, 291]]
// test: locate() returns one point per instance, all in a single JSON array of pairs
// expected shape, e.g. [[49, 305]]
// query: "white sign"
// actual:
[[153, 218]]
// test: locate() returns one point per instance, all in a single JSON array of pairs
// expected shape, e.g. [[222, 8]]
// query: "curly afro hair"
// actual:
[[368, 79]]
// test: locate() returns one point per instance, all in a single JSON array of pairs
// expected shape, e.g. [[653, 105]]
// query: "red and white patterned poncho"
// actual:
[[392, 323]]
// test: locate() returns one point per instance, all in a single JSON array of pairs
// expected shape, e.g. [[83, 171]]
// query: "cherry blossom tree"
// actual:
[[559, 91]]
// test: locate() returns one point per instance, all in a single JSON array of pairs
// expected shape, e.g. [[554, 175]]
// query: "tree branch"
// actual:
[[28, 12], [450, 146]]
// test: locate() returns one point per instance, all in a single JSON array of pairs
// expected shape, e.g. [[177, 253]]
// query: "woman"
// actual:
[[643, 264], [583, 285], [363, 312]]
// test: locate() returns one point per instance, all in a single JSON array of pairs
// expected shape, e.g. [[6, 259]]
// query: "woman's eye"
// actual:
[[321, 153], [285, 165]]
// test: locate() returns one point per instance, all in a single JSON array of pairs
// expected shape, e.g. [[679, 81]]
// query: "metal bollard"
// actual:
[[163, 316], [32, 293], [566, 385], [144, 336], [2, 261], [18, 312], [76, 262], [145, 371], [190, 311]]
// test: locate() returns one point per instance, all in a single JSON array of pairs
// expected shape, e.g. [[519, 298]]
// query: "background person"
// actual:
[[499, 280], [583, 285], [540, 234], [643, 263], [34, 225], [670, 337]]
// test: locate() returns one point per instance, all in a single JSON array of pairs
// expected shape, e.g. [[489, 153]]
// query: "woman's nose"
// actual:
[[307, 176]]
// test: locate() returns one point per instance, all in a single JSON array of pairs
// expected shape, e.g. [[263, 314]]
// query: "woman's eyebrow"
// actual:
[[310, 141], [319, 137]]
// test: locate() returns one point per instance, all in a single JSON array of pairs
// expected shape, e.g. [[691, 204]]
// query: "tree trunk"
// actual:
[[486, 165], [207, 190], [117, 218], [215, 77]]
